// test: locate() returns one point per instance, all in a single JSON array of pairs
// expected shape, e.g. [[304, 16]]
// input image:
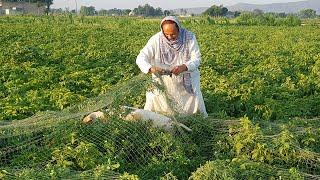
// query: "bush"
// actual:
[[251, 19], [241, 169]]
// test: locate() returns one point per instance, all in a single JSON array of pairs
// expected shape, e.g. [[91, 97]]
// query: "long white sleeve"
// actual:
[[146, 55], [195, 60]]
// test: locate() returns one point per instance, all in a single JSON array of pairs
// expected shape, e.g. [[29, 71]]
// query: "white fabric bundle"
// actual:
[[157, 120]]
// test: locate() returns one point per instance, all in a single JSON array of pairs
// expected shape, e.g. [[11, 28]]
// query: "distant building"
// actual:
[[12, 8]]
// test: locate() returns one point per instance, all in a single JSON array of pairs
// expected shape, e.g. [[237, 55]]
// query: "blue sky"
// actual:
[[164, 4]]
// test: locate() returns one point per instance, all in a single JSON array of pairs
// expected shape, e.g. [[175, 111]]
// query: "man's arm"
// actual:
[[146, 55]]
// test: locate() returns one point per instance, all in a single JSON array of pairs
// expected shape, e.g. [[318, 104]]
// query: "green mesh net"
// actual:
[[58, 145]]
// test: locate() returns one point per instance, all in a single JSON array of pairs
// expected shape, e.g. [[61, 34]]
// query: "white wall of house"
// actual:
[[21, 7]]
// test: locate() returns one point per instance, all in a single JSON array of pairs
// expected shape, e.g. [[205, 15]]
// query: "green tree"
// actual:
[[87, 11], [126, 12], [237, 13], [257, 12], [183, 11], [158, 12], [166, 12], [147, 10], [114, 12], [308, 13], [48, 3], [103, 12], [216, 11]]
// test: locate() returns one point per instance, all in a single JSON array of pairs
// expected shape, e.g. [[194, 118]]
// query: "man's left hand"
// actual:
[[179, 69]]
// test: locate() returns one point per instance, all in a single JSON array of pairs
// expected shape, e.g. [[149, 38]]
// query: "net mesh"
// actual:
[[59, 145]]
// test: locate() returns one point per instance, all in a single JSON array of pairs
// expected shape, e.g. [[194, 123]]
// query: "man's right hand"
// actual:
[[155, 70]]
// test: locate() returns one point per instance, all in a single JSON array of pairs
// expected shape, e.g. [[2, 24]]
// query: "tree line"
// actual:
[[148, 10], [214, 11], [141, 10], [221, 11]]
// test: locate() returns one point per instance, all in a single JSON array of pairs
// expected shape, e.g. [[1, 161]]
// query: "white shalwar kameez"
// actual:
[[186, 103]]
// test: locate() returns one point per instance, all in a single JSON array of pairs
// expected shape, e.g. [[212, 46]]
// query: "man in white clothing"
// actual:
[[173, 51]]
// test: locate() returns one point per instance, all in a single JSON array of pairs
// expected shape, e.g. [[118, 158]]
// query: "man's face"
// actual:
[[170, 31]]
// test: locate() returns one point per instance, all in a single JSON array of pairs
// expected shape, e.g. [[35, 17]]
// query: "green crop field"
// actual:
[[261, 86]]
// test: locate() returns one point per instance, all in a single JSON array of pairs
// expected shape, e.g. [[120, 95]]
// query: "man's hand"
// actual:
[[179, 69], [155, 70]]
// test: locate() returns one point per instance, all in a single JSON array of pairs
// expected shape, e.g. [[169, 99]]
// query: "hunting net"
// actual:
[[58, 145]]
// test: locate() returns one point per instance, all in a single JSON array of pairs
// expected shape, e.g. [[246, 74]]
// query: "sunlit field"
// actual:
[[261, 86]]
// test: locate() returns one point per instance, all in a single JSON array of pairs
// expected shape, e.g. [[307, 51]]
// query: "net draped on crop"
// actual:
[[57, 144]]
